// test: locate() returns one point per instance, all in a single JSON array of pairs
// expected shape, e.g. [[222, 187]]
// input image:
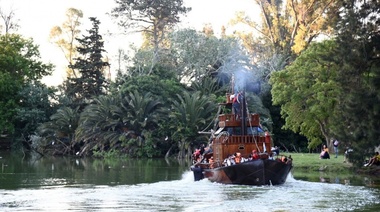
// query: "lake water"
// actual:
[[69, 184]]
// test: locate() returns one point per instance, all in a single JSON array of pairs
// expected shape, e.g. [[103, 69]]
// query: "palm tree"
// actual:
[[99, 127], [59, 133], [191, 111], [113, 123]]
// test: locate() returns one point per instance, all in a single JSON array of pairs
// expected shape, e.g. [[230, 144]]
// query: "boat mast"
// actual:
[[243, 106]]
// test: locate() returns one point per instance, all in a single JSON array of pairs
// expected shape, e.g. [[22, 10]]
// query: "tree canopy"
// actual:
[[65, 37], [307, 91], [151, 17], [91, 81], [20, 64]]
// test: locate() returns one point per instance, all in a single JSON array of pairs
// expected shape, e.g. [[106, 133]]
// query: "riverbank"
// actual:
[[310, 162]]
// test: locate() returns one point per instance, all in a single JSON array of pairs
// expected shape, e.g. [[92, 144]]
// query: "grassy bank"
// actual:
[[312, 162]]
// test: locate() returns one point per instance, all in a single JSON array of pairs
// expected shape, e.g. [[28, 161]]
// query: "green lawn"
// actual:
[[312, 162]]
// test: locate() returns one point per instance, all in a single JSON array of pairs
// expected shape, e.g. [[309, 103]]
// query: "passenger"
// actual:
[[243, 159], [202, 149], [273, 150], [207, 150], [232, 159], [325, 153], [290, 159], [374, 160], [270, 157], [238, 157], [197, 171], [255, 155], [284, 159], [229, 161], [197, 155], [211, 162]]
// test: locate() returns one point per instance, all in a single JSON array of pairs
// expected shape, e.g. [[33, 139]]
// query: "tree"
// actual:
[[152, 18], [357, 124], [307, 91], [196, 55], [9, 21], [65, 37], [117, 123], [192, 112], [35, 107], [57, 136], [8, 102], [19, 65], [287, 28], [91, 81]]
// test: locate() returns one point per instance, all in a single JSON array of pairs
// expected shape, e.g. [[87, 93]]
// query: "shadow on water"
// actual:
[[61, 184]]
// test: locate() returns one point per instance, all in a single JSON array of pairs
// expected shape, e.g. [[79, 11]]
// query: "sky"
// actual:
[[37, 17]]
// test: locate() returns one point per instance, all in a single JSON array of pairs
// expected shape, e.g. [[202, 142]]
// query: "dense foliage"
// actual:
[[24, 101], [357, 122]]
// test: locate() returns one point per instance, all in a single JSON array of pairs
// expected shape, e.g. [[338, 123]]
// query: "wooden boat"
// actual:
[[239, 135]]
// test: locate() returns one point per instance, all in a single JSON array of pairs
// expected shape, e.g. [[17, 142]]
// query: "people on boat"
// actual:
[[374, 160], [290, 159], [270, 156], [211, 163], [284, 159], [255, 155], [325, 153], [197, 171], [277, 150], [197, 155], [230, 160], [207, 150], [202, 149], [236, 103], [238, 158]]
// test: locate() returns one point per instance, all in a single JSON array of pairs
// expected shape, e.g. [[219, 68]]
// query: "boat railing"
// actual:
[[252, 120], [225, 145], [242, 139]]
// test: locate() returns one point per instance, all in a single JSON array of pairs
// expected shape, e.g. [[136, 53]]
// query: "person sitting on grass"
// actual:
[[325, 153], [374, 160]]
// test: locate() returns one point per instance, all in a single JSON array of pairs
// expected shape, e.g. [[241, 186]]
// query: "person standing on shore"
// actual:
[[336, 144]]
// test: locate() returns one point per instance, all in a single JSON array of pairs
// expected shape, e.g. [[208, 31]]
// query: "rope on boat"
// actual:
[[250, 125], [217, 114]]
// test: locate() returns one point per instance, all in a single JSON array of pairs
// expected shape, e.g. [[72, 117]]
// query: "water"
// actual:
[[156, 185]]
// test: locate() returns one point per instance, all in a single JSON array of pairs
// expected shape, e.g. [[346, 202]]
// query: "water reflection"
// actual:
[[34, 172], [62, 184], [337, 178]]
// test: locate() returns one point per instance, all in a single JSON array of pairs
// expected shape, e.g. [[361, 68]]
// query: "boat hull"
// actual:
[[256, 172]]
